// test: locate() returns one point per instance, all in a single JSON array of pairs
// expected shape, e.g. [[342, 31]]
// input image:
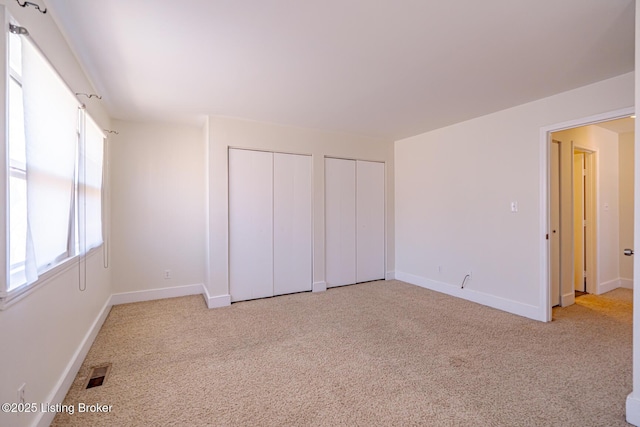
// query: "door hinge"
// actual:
[[584, 274]]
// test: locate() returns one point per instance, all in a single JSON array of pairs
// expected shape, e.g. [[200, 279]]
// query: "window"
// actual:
[[54, 170], [17, 169], [90, 163]]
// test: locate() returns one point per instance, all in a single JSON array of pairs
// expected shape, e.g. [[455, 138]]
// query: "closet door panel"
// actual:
[[369, 221], [250, 224], [292, 214], [340, 222]]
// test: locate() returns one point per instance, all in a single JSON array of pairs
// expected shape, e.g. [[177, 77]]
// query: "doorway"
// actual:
[[572, 215], [589, 207]]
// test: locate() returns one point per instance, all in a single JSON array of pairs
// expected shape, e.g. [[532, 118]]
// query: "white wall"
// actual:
[[626, 187], [158, 206], [44, 334], [454, 187], [228, 132], [606, 143]]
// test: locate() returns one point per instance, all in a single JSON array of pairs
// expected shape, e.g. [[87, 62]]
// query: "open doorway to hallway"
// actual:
[[590, 209]]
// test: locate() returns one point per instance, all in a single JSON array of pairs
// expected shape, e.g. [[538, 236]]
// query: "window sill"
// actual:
[[7, 299]]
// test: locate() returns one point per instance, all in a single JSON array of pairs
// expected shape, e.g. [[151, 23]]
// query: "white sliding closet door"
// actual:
[[369, 221], [340, 221], [250, 224], [292, 227]]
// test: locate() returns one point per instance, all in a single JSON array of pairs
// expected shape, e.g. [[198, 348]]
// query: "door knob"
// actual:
[[628, 252]]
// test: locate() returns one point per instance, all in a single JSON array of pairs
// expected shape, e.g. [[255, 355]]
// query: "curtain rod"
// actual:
[[36, 6]]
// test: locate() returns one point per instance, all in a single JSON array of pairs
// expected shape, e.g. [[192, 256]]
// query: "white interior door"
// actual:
[[369, 221], [554, 234], [250, 224], [340, 222], [292, 231]]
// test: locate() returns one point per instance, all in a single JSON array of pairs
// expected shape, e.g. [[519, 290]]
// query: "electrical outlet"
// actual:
[[167, 274], [21, 391]]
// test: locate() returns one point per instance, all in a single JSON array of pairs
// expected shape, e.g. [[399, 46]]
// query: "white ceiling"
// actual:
[[388, 68], [620, 125]]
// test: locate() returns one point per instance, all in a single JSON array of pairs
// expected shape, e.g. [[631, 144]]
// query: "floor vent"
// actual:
[[98, 375]]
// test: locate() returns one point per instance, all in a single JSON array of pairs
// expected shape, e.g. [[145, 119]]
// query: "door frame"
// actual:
[[554, 234], [545, 193]]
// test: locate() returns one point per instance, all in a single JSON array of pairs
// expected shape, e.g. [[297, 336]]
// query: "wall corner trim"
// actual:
[[69, 374], [633, 409], [216, 301], [568, 299], [319, 286], [510, 306]]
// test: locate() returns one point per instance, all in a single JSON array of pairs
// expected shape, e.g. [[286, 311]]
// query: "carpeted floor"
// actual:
[[381, 353]]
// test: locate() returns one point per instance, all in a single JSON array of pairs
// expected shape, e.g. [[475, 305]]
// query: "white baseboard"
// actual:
[[626, 283], [608, 286], [69, 374], [153, 294], [633, 409], [391, 275], [510, 306], [615, 284], [216, 301], [319, 286], [567, 299]]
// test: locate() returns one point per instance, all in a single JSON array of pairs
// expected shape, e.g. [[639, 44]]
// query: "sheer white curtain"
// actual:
[[90, 186], [51, 131]]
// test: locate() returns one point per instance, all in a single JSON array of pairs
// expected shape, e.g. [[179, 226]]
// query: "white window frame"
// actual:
[[4, 154], [72, 259], [16, 171]]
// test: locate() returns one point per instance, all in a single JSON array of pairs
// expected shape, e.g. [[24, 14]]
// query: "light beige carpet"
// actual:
[[381, 353]]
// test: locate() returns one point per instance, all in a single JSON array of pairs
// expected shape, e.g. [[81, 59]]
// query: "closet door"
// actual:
[[340, 222], [292, 226], [250, 224], [369, 221]]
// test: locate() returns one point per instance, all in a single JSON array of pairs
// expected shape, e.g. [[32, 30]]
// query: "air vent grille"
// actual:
[[98, 375]]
